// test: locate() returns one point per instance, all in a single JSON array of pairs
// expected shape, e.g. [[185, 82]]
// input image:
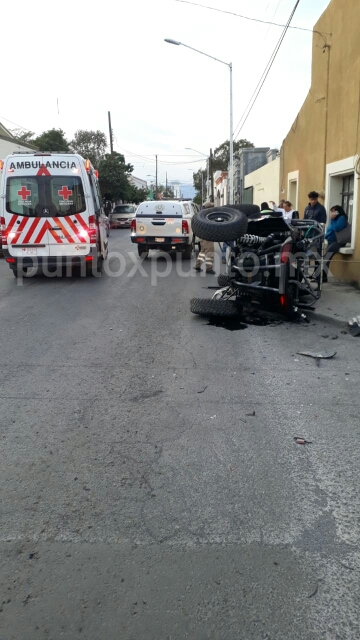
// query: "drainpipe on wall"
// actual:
[[326, 46]]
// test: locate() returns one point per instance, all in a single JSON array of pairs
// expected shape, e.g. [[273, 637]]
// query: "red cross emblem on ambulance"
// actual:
[[24, 193], [65, 193]]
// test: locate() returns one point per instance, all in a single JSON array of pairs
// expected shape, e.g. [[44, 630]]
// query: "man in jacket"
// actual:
[[315, 210], [206, 254]]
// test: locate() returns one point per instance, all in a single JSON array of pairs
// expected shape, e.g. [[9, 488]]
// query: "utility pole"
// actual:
[[166, 184], [202, 187], [110, 134], [156, 178], [211, 176]]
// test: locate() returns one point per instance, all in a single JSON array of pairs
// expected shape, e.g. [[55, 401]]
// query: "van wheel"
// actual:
[[143, 251]]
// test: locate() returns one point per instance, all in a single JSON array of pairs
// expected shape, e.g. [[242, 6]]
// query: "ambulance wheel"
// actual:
[[143, 251], [99, 264]]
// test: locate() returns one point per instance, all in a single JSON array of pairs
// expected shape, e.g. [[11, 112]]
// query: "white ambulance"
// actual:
[[51, 213]]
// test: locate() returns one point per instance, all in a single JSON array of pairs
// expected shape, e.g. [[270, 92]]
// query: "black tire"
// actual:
[[224, 280], [219, 224], [216, 308], [250, 210], [99, 265], [187, 253], [143, 251]]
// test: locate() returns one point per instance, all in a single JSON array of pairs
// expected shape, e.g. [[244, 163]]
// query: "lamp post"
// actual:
[[228, 64]]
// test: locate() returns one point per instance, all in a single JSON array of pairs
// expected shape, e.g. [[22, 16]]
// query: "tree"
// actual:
[[222, 153], [22, 135], [113, 177], [168, 192], [199, 179], [137, 195], [90, 144], [52, 140]]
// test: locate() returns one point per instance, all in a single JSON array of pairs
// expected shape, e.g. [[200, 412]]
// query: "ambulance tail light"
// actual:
[[185, 227], [133, 226], [96, 173], [1, 165], [3, 230], [92, 230], [87, 165]]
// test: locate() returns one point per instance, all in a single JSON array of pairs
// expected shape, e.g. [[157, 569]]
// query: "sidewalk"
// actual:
[[339, 302]]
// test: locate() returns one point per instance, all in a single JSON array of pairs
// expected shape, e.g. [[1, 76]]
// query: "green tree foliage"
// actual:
[[168, 192], [113, 177], [90, 144], [52, 140], [137, 195], [222, 153], [198, 184]]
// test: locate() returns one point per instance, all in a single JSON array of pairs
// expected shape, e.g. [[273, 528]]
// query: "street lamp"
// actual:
[[228, 64]]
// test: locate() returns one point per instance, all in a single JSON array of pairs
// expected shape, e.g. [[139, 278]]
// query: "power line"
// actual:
[[265, 74], [16, 125], [238, 15]]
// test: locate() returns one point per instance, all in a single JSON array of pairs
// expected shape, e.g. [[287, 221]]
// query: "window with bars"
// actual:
[[347, 195]]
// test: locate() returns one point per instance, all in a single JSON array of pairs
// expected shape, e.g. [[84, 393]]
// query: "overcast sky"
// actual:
[[98, 56]]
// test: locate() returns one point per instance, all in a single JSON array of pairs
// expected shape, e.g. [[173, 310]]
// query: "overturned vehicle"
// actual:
[[271, 264]]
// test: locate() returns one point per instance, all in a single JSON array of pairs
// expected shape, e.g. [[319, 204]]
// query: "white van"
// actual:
[[164, 225], [51, 212]]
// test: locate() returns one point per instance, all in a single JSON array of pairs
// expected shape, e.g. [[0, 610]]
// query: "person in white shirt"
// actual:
[[285, 208]]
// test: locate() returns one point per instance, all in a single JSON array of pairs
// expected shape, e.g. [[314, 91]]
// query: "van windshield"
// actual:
[[44, 196]]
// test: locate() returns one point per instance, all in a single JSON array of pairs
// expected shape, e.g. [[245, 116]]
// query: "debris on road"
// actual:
[[325, 355], [313, 593], [251, 414], [300, 440], [354, 326], [202, 391], [335, 337]]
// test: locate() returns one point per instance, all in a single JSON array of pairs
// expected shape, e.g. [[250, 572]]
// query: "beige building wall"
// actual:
[[265, 182], [322, 147]]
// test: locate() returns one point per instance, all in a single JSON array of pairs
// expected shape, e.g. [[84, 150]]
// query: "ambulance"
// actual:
[[51, 213]]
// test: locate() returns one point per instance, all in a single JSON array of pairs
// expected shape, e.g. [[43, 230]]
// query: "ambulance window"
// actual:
[[94, 192], [45, 196]]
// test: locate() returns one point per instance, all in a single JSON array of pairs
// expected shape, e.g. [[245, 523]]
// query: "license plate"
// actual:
[[29, 251], [159, 239]]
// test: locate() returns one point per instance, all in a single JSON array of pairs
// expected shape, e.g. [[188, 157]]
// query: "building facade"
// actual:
[[9, 144], [220, 188], [245, 162], [137, 182], [263, 184], [321, 151]]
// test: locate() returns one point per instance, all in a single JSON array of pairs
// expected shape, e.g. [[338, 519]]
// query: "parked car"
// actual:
[[164, 225], [122, 215]]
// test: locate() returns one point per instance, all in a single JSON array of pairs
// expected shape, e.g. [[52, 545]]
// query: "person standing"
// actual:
[[285, 208], [206, 254], [315, 210]]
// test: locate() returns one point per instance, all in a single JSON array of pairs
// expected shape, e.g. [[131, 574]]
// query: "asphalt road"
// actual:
[[139, 500]]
